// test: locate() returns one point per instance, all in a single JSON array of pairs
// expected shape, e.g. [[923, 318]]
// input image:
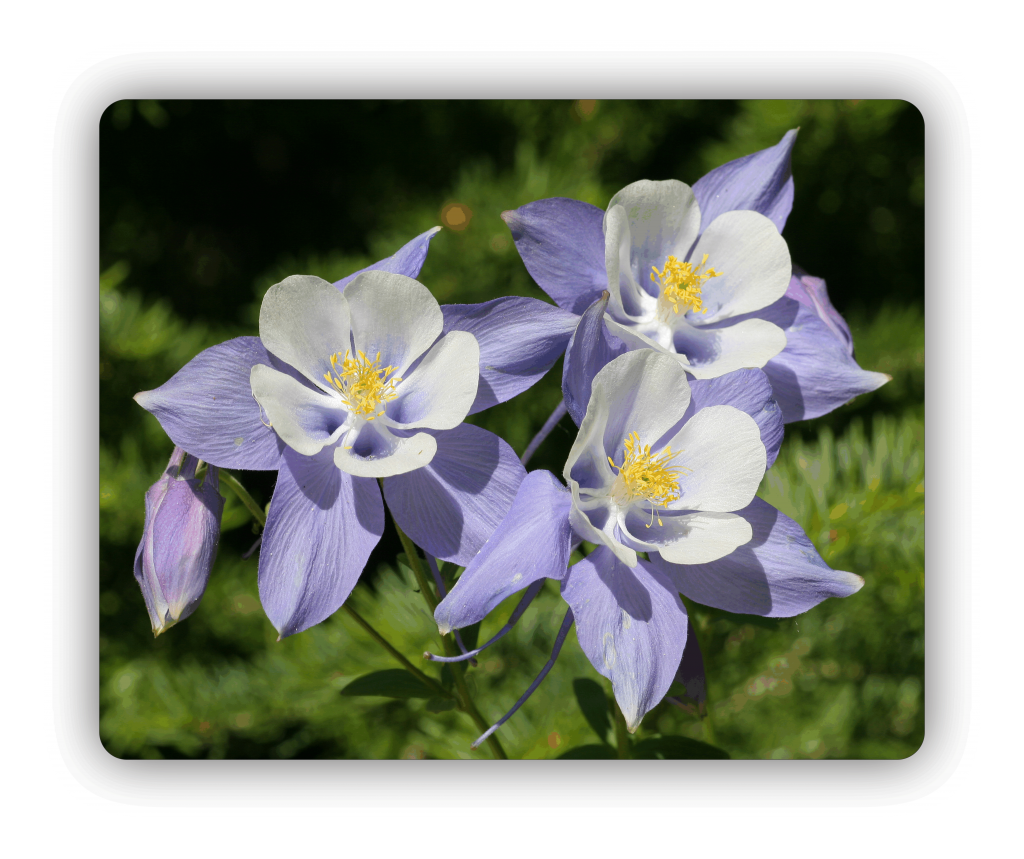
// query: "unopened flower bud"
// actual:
[[812, 292], [179, 540]]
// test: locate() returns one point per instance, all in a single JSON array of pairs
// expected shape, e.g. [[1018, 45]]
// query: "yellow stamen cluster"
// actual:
[[648, 478], [681, 283], [362, 383]]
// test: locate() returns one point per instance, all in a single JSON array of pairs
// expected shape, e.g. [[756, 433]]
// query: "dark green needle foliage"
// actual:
[[205, 204]]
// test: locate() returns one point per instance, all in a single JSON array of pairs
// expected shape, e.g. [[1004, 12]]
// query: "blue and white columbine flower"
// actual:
[[665, 467], [700, 273], [643, 479], [363, 379]]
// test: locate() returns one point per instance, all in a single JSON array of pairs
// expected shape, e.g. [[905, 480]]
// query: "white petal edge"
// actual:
[[664, 219], [305, 420], [439, 392], [721, 448], [627, 299], [394, 315], [709, 536], [754, 260], [750, 343], [303, 321], [644, 391], [407, 454]]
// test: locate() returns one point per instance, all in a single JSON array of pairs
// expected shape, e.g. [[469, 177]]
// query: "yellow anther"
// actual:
[[363, 384], [643, 477], [681, 283]]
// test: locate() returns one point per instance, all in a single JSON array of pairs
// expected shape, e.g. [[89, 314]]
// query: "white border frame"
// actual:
[[515, 70]]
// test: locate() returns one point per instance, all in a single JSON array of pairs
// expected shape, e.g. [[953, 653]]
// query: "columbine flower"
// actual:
[[700, 273], [349, 382], [179, 540], [643, 480], [665, 467]]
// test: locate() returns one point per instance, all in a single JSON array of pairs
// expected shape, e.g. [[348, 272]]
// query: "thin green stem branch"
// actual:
[[458, 671], [417, 568], [383, 642], [250, 503]]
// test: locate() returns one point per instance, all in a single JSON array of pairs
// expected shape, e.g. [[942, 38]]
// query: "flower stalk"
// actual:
[[243, 496], [405, 663], [417, 568], [458, 671]]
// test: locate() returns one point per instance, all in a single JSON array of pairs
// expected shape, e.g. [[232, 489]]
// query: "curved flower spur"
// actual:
[[663, 470], [363, 379], [701, 273]]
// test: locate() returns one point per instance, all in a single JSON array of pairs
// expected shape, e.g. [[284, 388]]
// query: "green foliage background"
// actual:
[[204, 205]]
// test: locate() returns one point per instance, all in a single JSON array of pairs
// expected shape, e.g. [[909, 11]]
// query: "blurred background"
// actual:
[[205, 204]]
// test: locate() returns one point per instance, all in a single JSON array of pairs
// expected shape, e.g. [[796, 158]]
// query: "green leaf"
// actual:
[[675, 749], [593, 752], [439, 705], [594, 704], [391, 683]]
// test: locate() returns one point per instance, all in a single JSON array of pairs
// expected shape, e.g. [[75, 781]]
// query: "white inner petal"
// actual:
[[438, 393], [394, 315], [303, 321], [755, 264], [721, 449], [371, 450]]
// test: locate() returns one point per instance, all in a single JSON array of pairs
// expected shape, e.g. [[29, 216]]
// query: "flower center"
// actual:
[[363, 384], [643, 477], [681, 283]]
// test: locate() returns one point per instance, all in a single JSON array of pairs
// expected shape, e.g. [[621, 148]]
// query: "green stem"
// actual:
[[458, 671], [383, 642], [621, 733], [244, 497], [467, 705], [417, 568], [709, 733]]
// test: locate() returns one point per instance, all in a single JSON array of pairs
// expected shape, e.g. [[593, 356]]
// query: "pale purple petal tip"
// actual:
[[407, 260], [761, 182], [561, 242], [631, 624], [321, 528], [778, 573], [524, 603], [531, 543], [208, 409], [442, 592], [816, 372]]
